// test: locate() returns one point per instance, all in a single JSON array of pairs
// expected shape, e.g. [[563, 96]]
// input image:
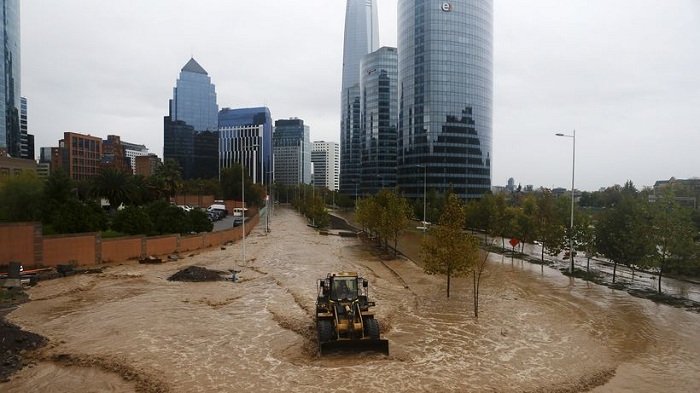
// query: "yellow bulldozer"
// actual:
[[343, 319]]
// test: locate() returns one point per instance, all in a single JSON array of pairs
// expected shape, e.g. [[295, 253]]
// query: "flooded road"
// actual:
[[130, 329]]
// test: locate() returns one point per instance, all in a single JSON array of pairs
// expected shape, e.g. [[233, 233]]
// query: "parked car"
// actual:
[[237, 221]]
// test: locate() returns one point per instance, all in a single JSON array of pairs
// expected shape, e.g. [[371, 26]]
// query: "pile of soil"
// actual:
[[197, 274], [14, 342]]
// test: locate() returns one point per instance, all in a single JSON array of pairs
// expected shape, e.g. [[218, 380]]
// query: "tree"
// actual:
[[115, 185], [449, 250], [672, 234], [623, 233], [550, 228], [20, 197], [170, 174], [585, 237], [78, 217]]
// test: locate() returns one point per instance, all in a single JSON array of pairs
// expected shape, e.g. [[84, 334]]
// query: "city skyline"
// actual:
[[622, 75]]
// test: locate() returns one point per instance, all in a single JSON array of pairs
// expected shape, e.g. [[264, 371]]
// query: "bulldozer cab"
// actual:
[[344, 289]]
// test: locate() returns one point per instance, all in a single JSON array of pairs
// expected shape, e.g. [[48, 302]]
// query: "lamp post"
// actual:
[[425, 195], [573, 173]]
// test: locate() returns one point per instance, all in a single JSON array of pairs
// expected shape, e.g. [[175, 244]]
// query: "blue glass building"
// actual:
[[255, 126], [361, 37], [193, 117], [445, 96], [379, 120], [10, 134]]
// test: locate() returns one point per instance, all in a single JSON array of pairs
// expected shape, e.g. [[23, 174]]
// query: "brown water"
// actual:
[[129, 329]]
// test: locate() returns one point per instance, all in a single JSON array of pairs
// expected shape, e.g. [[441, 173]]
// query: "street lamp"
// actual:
[[243, 198], [425, 195], [573, 173]]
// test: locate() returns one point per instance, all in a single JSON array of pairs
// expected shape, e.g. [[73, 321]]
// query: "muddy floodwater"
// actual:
[[130, 329]]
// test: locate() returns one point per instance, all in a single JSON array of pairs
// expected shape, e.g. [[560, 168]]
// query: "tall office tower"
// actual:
[[379, 110], [361, 38], [193, 110], [242, 145], [26, 139], [10, 134], [251, 121], [325, 157], [292, 150], [445, 96]]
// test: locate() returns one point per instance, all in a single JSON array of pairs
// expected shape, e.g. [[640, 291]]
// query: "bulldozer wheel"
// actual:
[[372, 328], [325, 331]]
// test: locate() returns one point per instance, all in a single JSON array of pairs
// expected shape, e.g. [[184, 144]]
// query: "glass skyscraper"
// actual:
[[254, 126], [379, 117], [10, 134], [292, 151], [361, 38], [445, 96], [193, 118]]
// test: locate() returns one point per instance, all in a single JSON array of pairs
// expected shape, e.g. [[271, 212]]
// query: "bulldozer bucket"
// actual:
[[359, 345]]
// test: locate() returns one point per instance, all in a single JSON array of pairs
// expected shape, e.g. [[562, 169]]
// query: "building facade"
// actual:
[[251, 117], [361, 37], [242, 145], [292, 152], [146, 165], [325, 157], [445, 97], [10, 87], [78, 155], [379, 120], [193, 110]]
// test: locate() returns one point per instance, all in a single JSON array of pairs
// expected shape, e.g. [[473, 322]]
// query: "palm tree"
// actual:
[[113, 184], [170, 174]]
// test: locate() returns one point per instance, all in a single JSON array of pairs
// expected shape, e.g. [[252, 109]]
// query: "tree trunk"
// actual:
[[448, 283], [542, 252], [660, 273], [588, 265], [476, 296], [614, 270]]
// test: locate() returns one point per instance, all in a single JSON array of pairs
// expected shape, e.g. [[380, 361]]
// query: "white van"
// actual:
[[238, 211]]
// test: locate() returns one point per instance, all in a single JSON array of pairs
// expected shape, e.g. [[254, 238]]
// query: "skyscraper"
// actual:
[[379, 118], [326, 159], [254, 124], [10, 134], [361, 38], [292, 151], [193, 118], [445, 96]]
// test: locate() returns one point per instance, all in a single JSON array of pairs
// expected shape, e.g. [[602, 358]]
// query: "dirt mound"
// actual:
[[198, 274], [13, 345]]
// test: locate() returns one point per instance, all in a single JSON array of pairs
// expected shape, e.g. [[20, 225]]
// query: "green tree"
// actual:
[[449, 250], [585, 237], [623, 232], [170, 176], [550, 228], [78, 217], [133, 220], [115, 185], [673, 233], [20, 197]]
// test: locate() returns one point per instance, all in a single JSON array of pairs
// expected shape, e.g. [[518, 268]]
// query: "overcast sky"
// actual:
[[624, 74]]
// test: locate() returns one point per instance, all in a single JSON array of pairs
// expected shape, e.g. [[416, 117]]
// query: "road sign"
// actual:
[[513, 242]]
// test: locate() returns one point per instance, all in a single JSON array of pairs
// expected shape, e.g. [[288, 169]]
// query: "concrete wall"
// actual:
[[16, 242], [121, 248], [61, 249], [23, 243]]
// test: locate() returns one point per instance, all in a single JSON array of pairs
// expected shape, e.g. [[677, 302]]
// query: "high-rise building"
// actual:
[[242, 145], [10, 91], [379, 112], [78, 154], [250, 121], [325, 157], [445, 96], [193, 110], [292, 152], [361, 38], [26, 139]]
